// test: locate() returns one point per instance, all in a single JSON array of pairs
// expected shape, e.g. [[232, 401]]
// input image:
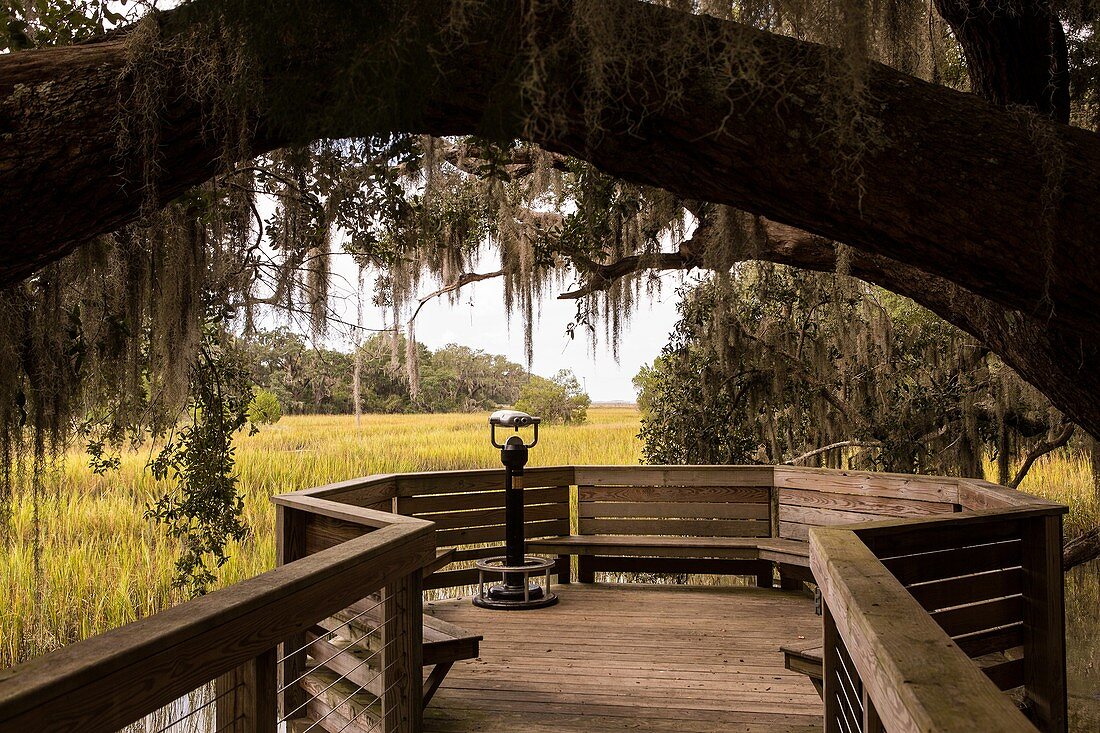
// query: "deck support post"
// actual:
[[563, 569], [586, 572], [246, 699], [829, 669], [290, 539], [402, 658], [765, 575], [1044, 623]]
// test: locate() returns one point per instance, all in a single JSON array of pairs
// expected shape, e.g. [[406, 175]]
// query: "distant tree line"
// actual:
[[306, 378]]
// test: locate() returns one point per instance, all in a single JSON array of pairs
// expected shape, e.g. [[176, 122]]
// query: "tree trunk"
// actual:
[[996, 202], [1094, 463], [1015, 52], [1081, 549]]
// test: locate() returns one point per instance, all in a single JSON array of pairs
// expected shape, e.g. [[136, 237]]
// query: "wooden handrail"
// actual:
[[111, 680], [916, 676]]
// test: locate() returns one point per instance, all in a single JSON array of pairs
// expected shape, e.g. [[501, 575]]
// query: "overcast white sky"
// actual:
[[478, 320]]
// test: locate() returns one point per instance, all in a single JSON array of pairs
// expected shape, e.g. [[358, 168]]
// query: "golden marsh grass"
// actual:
[[103, 564]]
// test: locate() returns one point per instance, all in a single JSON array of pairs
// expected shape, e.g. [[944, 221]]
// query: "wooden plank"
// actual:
[[1044, 623], [941, 564], [980, 616], [336, 707], [920, 534], [477, 535], [794, 531], [968, 589], [677, 565], [424, 505], [908, 538], [450, 482], [673, 476], [690, 527], [901, 654], [672, 509], [363, 493], [715, 494], [324, 532], [865, 483], [106, 682], [993, 640], [365, 489], [351, 663], [487, 517], [246, 696], [889, 506], [1007, 674], [822, 517], [975, 494]]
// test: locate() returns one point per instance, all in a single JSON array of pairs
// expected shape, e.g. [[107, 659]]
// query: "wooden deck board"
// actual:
[[633, 657]]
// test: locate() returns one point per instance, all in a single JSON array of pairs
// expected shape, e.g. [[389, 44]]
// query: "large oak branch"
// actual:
[[991, 200], [1063, 366]]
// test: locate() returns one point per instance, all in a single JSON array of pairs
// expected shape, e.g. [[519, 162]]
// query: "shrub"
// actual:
[[264, 408], [560, 399]]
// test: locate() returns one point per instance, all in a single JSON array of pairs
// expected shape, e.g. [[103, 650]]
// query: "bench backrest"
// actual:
[[468, 510], [815, 498], [690, 501]]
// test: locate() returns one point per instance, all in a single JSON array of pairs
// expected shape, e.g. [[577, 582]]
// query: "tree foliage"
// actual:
[[264, 409], [305, 378], [204, 510], [778, 365], [559, 399], [111, 335]]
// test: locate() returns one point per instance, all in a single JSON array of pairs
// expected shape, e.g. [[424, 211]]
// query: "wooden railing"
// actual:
[[938, 592], [927, 620], [237, 641]]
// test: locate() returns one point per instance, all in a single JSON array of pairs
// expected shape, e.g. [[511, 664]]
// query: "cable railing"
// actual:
[[229, 654]]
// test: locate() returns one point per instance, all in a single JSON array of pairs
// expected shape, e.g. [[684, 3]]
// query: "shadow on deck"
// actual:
[[632, 657]]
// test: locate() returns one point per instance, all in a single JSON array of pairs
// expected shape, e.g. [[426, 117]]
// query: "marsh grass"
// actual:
[[103, 564]]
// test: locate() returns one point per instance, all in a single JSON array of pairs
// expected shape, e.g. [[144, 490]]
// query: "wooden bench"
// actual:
[[720, 530]]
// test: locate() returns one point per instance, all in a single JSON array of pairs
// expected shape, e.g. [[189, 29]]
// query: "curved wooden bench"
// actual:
[[713, 555]]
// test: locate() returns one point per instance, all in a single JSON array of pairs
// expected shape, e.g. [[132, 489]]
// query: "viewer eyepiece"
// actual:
[[513, 419]]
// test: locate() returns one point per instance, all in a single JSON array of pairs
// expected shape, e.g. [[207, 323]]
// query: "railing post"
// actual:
[[290, 539], [403, 686], [246, 699], [1044, 622], [829, 663]]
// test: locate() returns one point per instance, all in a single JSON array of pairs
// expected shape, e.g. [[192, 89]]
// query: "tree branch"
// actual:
[[461, 281], [1040, 450], [832, 446]]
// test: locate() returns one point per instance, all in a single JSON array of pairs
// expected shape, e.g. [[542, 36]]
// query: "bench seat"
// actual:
[[663, 552], [790, 552]]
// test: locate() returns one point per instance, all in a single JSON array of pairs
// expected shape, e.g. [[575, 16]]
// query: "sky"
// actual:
[[478, 320]]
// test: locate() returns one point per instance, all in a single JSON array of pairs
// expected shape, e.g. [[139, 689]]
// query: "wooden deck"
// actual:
[[633, 657]]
